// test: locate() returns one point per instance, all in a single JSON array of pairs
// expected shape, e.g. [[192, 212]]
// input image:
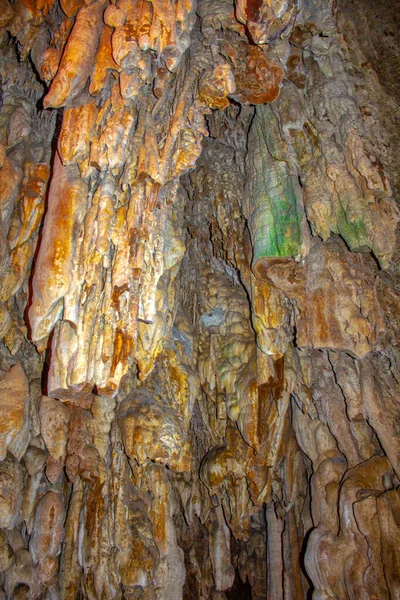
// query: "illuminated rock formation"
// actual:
[[199, 300]]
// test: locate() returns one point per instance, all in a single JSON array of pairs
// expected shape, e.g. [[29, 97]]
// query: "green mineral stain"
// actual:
[[353, 232], [275, 198]]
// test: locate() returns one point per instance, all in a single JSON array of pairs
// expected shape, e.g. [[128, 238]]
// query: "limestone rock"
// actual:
[[199, 300], [54, 418], [77, 60], [48, 532], [63, 217], [275, 212], [266, 20], [14, 407], [257, 78], [216, 85], [11, 486], [340, 317], [151, 431]]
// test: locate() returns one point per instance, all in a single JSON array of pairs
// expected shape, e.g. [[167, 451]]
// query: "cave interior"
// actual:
[[199, 300]]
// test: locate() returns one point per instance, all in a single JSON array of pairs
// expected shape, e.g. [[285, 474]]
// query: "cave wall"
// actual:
[[199, 300]]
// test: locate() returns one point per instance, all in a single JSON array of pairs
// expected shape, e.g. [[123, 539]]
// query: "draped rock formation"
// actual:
[[199, 300]]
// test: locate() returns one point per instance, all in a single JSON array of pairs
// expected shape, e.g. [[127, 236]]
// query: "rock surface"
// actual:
[[199, 300]]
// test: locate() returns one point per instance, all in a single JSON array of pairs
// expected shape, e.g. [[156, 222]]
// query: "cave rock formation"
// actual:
[[199, 300]]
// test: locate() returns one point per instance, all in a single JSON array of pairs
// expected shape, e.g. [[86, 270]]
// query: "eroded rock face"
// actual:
[[199, 301]]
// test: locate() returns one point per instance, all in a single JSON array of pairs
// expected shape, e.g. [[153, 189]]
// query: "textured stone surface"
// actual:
[[199, 300], [14, 406]]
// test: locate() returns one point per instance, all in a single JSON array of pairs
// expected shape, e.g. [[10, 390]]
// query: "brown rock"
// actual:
[[215, 86], [266, 20], [76, 133], [257, 79], [340, 318], [48, 534], [104, 61], [11, 486], [207, 316], [67, 191], [6, 12], [14, 403], [152, 431], [54, 418], [77, 60]]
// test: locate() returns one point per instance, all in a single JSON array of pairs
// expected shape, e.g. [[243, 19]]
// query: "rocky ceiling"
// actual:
[[199, 300]]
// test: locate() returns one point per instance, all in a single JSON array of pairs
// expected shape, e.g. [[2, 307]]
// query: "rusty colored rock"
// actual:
[[66, 195], [77, 59], [215, 86], [82, 121], [266, 19], [257, 78], [199, 300], [339, 291]]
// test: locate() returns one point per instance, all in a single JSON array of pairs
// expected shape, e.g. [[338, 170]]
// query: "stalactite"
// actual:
[[199, 300]]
